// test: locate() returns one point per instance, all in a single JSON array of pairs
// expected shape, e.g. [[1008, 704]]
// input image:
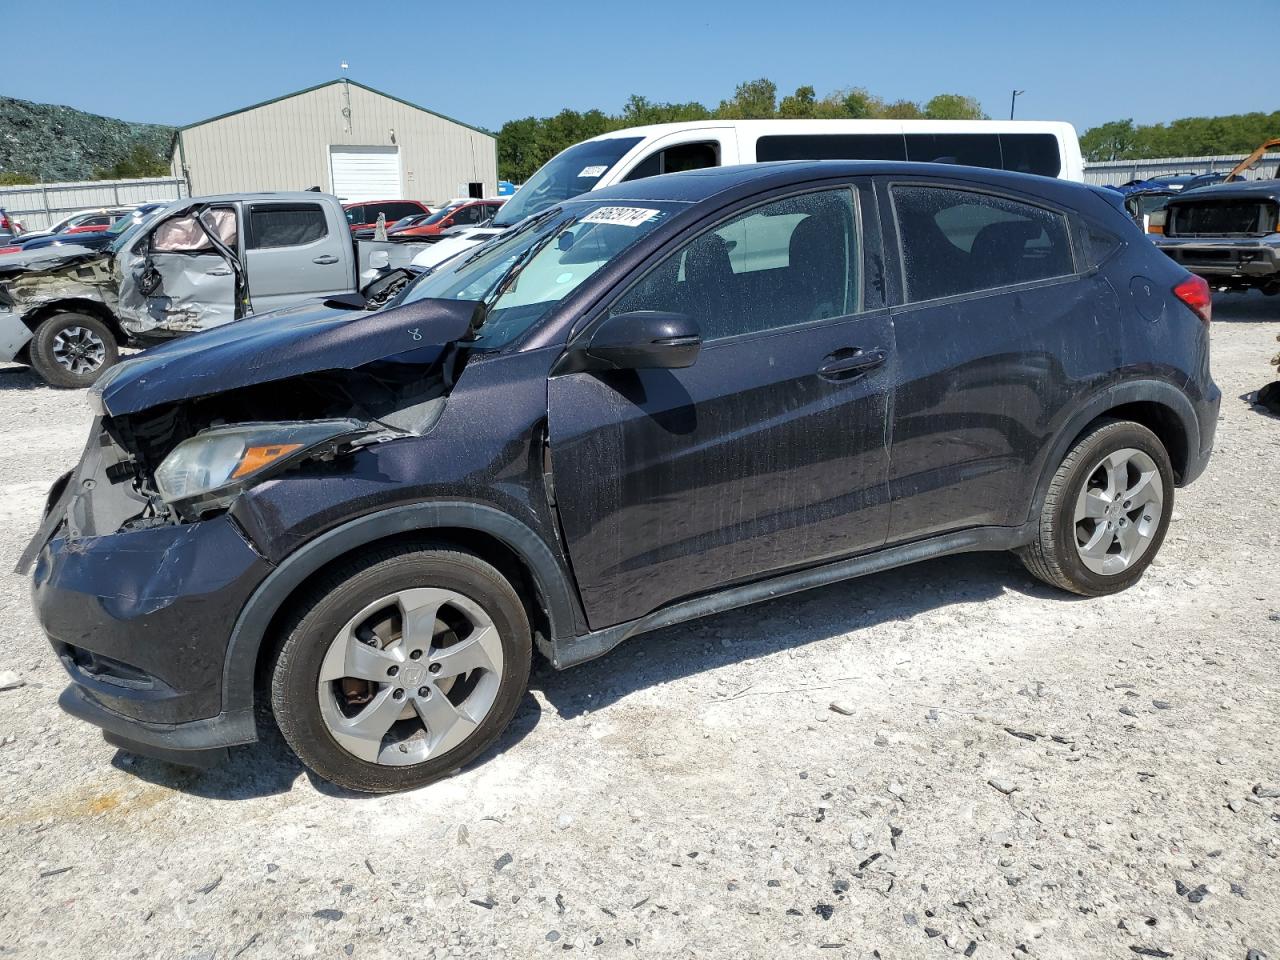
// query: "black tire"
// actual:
[[332, 603], [1053, 556], [57, 373]]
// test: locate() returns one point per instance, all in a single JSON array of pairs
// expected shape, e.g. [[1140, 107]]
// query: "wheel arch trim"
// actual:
[[555, 593], [1158, 392]]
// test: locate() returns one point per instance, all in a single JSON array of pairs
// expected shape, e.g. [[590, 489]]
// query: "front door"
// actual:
[[182, 283], [769, 453]]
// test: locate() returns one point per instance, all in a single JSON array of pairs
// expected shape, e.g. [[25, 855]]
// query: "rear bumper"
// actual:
[[1255, 259], [1207, 419]]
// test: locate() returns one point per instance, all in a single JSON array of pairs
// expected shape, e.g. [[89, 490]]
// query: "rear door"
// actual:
[[989, 344], [771, 451], [291, 254]]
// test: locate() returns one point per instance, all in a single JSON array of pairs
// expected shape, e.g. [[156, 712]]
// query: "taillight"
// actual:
[[1194, 292], [10, 249]]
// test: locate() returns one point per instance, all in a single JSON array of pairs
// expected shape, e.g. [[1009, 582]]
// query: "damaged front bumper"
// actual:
[[14, 335], [140, 620], [1257, 259]]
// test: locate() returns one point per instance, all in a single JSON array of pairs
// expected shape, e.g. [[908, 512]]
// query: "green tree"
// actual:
[[13, 178], [753, 100], [1110, 141], [858, 104], [954, 106], [901, 110], [639, 111], [802, 103]]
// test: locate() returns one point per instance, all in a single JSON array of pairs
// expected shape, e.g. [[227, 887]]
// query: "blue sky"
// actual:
[[488, 62]]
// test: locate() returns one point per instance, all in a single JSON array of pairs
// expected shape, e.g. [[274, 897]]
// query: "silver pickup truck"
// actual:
[[201, 263]]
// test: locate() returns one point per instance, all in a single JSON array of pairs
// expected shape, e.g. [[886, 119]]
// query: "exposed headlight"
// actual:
[[215, 465]]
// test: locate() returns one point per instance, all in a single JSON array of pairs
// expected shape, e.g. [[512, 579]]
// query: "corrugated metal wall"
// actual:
[[284, 145], [1122, 171], [38, 205]]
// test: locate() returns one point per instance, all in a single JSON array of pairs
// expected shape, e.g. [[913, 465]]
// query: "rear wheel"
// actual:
[[402, 669], [1105, 513], [72, 349]]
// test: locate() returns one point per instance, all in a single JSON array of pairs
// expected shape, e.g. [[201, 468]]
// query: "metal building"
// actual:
[[343, 137]]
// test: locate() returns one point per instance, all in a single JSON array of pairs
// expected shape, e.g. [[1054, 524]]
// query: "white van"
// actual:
[[1048, 148]]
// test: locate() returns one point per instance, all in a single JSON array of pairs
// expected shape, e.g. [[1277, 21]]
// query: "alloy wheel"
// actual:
[[1117, 513], [410, 676], [78, 350]]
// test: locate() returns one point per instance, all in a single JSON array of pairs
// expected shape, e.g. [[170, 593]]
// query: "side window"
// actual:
[[355, 215], [1031, 153], [831, 146], [277, 225], [184, 235], [956, 241], [787, 262], [971, 149], [677, 159]]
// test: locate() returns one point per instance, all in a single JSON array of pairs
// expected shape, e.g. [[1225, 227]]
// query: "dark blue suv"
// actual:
[[649, 404]]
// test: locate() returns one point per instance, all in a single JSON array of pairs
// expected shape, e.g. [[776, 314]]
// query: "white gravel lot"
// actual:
[[692, 794]]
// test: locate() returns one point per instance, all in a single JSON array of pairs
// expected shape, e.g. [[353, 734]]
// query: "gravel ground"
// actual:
[[1015, 772]]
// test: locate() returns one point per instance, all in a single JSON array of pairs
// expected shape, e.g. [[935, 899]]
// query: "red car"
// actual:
[[462, 213], [364, 216]]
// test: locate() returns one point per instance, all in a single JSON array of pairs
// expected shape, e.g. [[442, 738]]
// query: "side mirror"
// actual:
[[642, 340]]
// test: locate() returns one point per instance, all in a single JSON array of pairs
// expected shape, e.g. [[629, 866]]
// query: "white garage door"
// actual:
[[365, 173]]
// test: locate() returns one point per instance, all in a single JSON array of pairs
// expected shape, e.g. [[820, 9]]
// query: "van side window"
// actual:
[[971, 149], [786, 262], [1031, 153], [957, 241], [831, 146], [278, 225], [677, 159]]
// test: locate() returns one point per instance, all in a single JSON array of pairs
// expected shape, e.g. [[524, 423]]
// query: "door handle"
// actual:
[[325, 258], [220, 272], [849, 362]]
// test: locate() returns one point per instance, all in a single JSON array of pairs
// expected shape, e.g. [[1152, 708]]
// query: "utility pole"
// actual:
[[346, 93], [1013, 101]]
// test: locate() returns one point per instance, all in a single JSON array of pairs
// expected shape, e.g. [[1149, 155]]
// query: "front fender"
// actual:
[[555, 592]]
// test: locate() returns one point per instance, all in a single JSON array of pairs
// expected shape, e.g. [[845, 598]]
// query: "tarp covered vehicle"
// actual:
[[201, 263]]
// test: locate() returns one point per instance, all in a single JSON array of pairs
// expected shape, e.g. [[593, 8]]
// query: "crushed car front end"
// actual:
[[150, 549]]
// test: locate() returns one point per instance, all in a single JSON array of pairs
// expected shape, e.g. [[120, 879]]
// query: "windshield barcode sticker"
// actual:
[[593, 171], [622, 216]]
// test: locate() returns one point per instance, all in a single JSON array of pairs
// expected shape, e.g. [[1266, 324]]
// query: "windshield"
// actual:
[[522, 275], [440, 214], [567, 175]]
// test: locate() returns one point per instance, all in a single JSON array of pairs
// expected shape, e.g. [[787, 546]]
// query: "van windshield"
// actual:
[[522, 275], [568, 174]]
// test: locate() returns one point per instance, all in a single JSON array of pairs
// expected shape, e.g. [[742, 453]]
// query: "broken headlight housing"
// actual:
[[210, 470]]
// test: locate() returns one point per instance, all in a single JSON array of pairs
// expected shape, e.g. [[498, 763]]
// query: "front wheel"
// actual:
[[1105, 513], [72, 349], [402, 668]]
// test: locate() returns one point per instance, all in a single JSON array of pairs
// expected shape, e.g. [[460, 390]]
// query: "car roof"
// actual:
[[696, 185]]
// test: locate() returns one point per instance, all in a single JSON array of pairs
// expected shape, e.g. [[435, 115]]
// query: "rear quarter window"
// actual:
[[957, 241]]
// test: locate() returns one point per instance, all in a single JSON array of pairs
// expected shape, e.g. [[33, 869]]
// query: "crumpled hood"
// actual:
[[284, 343], [44, 258]]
